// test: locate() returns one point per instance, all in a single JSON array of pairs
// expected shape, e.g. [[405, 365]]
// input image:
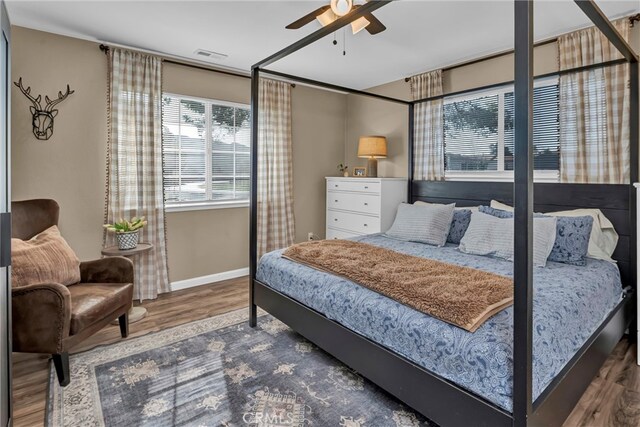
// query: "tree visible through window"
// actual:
[[206, 150], [471, 134], [479, 137]]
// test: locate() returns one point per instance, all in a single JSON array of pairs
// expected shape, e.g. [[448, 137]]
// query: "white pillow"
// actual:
[[490, 235], [422, 223], [458, 208], [603, 239], [497, 205]]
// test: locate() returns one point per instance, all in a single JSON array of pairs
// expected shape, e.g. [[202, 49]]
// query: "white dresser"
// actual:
[[357, 206]]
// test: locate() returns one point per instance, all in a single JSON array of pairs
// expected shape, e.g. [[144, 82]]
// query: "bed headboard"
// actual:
[[613, 200]]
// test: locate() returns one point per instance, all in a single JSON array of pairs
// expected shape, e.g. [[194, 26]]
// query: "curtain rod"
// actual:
[[611, 63], [105, 49], [632, 20]]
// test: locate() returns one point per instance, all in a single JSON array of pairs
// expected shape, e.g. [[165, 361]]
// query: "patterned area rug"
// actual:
[[220, 372]]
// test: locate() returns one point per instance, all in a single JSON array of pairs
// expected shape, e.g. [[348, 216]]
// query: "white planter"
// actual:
[[127, 240]]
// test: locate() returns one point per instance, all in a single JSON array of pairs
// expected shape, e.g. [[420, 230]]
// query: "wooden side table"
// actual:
[[136, 313]]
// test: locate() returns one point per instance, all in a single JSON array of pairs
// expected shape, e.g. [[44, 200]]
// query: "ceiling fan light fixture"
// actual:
[[327, 17], [341, 7], [359, 25]]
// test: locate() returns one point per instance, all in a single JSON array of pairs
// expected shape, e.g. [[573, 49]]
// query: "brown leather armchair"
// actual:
[[50, 317]]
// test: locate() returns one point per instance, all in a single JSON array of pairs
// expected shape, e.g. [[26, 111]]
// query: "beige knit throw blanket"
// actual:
[[462, 296]]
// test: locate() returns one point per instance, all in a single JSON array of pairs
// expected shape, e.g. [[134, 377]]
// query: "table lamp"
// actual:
[[372, 148]]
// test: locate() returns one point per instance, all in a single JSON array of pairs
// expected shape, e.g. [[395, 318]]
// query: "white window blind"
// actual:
[[479, 138], [206, 151], [471, 134], [546, 128]]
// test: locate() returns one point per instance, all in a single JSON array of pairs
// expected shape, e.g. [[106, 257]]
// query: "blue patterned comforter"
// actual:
[[570, 303]]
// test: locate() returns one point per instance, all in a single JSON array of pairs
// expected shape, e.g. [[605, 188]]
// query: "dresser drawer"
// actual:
[[354, 185], [366, 203], [332, 234], [353, 222]]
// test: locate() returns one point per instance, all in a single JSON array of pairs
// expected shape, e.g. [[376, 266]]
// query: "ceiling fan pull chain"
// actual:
[[344, 43], [335, 42]]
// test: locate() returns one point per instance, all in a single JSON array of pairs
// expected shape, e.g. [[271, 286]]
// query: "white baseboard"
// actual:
[[210, 278]]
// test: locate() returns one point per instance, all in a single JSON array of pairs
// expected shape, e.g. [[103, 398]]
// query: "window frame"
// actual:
[[499, 175], [208, 204]]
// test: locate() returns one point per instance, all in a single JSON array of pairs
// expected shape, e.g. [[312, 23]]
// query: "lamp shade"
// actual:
[[372, 146]]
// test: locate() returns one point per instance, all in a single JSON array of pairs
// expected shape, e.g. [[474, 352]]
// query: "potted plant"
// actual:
[[127, 231], [344, 169]]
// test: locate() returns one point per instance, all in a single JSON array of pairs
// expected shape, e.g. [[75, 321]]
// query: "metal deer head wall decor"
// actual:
[[42, 118]]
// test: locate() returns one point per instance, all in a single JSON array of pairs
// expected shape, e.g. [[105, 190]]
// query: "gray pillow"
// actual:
[[422, 223], [490, 235], [459, 224], [572, 236]]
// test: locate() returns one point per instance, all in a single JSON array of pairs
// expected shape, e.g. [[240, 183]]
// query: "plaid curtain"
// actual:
[[594, 109], [134, 161], [428, 148], [276, 224]]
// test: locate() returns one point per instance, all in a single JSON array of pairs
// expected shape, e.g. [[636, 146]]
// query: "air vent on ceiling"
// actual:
[[201, 53]]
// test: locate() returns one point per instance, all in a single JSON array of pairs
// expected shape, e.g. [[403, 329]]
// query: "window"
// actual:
[[206, 147], [479, 137]]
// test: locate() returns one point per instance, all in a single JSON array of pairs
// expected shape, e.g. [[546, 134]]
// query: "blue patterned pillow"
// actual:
[[572, 236], [459, 225], [499, 213], [572, 239]]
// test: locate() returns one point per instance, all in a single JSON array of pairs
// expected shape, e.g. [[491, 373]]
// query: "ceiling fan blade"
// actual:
[[375, 26], [307, 18]]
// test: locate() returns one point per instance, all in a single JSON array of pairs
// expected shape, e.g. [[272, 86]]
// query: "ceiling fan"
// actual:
[[337, 9]]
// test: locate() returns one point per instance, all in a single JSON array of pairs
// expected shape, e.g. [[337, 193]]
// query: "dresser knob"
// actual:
[[365, 225], [336, 185], [335, 219], [336, 200], [366, 204], [366, 187]]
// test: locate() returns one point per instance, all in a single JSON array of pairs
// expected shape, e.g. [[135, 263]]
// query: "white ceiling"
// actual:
[[421, 35]]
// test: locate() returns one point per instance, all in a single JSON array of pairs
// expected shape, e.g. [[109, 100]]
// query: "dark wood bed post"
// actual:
[[523, 213], [410, 141], [253, 228]]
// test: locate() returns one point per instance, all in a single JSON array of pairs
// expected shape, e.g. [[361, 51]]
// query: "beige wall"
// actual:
[[371, 116], [318, 121], [70, 167]]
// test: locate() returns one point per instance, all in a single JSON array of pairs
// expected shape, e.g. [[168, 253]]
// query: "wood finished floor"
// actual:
[[612, 399]]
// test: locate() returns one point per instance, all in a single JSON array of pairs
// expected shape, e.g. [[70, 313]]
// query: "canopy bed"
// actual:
[[534, 398]]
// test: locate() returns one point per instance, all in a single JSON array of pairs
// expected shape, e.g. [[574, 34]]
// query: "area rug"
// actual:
[[220, 372]]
